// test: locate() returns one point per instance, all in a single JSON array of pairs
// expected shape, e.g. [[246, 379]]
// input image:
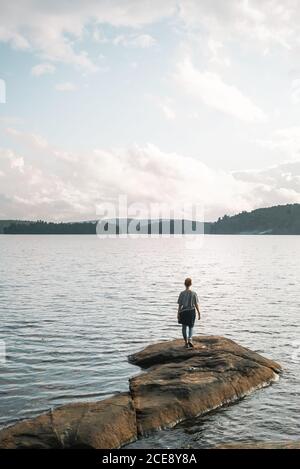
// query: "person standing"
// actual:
[[188, 303]]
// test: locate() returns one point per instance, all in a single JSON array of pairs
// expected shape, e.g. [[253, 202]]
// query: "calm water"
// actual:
[[73, 307]]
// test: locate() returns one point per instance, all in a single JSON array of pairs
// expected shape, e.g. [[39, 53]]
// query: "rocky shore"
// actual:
[[176, 384]]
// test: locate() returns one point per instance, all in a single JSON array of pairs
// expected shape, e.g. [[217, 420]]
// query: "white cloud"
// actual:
[[217, 56], [286, 141], [262, 22], [276, 185], [51, 29], [42, 69], [209, 88], [43, 181], [140, 40], [66, 86], [35, 140], [14, 161]]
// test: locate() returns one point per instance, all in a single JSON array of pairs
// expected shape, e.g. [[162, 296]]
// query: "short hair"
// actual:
[[188, 282]]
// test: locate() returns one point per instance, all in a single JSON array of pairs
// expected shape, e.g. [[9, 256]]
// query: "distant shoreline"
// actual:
[[277, 220]]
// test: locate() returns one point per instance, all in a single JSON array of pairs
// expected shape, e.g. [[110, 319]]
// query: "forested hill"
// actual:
[[43, 227], [6, 223], [281, 219], [121, 226]]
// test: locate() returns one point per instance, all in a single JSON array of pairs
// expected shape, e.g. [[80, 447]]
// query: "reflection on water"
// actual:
[[73, 308]]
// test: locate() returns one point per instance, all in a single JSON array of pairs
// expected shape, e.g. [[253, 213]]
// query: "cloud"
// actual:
[[210, 89], [53, 30], [216, 51], [42, 181], [35, 140], [66, 86], [141, 40], [278, 184], [262, 22], [42, 69], [285, 141]]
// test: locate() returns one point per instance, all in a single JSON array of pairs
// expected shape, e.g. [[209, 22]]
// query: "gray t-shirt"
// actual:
[[188, 299]]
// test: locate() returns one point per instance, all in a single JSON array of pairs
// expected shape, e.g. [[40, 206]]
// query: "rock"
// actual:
[[290, 444], [173, 351], [179, 383], [183, 383], [109, 423]]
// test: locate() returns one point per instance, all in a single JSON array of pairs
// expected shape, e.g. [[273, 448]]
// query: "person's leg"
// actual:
[[190, 335], [184, 334], [191, 327]]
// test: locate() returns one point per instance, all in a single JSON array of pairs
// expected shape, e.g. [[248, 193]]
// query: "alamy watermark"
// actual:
[[153, 220], [2, 91]]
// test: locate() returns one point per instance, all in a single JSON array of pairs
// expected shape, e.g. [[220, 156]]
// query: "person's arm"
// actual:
[[179, 308], [179, 305], [198, 310]]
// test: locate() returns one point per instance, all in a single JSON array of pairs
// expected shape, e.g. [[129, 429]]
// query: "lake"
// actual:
[[73, 307]]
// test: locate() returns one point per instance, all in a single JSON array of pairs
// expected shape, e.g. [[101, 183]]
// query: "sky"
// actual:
[[180, 101]]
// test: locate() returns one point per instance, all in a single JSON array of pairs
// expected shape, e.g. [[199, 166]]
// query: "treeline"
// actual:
[[43, 227], [280, 219], [5, 223], [121, 226]]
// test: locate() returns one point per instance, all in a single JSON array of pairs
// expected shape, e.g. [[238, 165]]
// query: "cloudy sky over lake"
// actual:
[[173, 100]]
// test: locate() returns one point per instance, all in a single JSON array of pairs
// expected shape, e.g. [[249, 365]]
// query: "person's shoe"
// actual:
[[190, 344], [186, 345]]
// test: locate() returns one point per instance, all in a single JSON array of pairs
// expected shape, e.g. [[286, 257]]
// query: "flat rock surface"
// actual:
[[183, 383]]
